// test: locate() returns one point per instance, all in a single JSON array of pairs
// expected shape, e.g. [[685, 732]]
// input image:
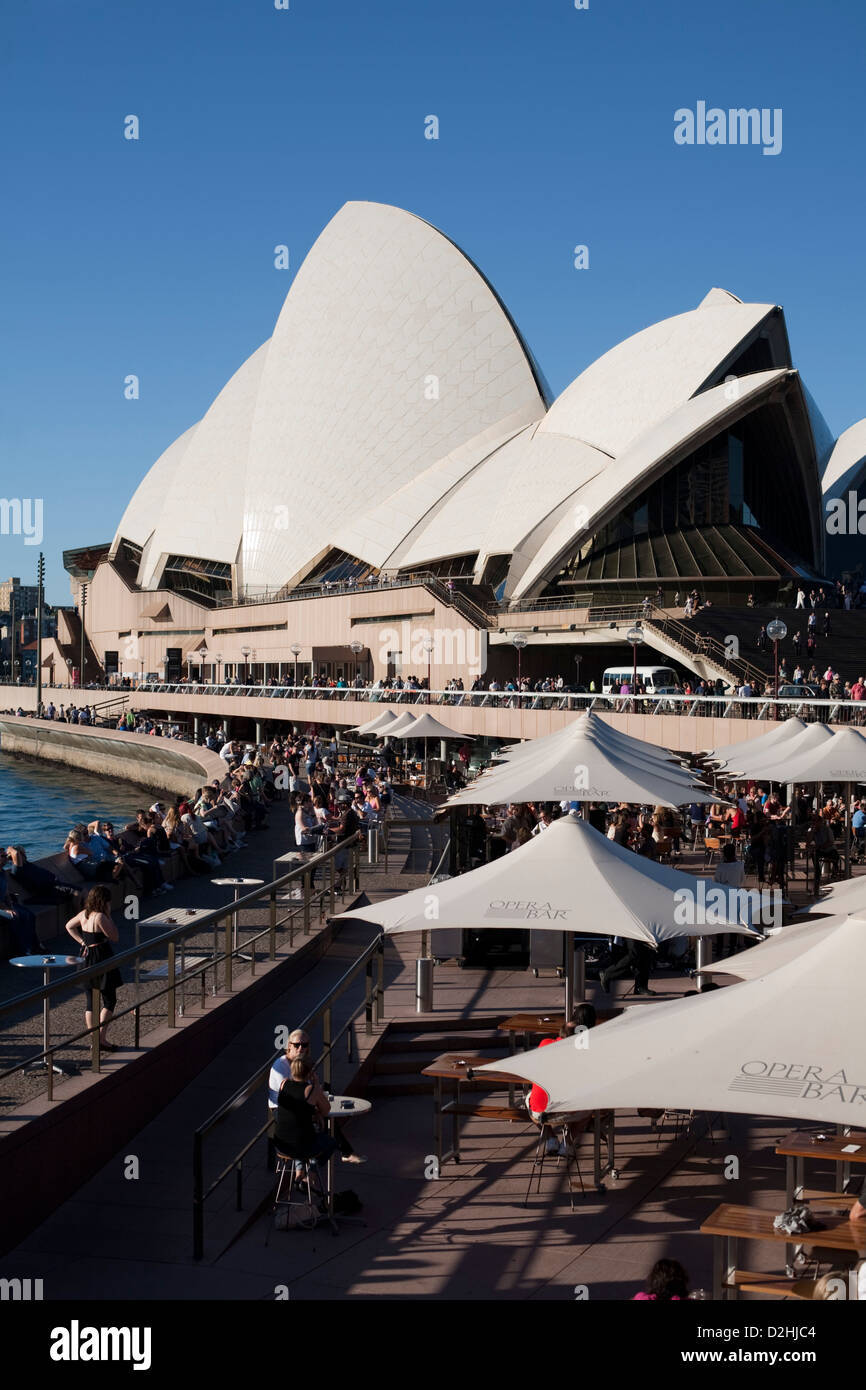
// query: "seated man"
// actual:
[[298, 1046], [41, 884], [22, 923]]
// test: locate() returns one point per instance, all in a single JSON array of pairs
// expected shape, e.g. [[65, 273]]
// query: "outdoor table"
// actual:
[[455, 1066], [800, 1145], [546, 1025], [237, 884], [342, 1108], [729, 1224], [46, 964]]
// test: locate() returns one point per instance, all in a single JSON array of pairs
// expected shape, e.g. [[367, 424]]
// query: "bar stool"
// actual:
[[556, 1128], [297, 1182]]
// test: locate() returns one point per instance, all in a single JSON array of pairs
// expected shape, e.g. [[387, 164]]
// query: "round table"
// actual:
[[237, 884], [354, 1106], [46, 964]]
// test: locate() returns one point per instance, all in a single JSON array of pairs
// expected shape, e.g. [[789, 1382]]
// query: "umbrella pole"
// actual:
[[569, 975], [848, 829]]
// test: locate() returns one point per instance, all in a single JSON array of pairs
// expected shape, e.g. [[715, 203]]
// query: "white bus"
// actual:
[[652, 678]]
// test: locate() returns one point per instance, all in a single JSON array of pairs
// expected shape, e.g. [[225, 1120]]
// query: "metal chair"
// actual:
[[556, 1128]]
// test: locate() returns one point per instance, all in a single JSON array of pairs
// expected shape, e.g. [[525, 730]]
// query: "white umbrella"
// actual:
[[839, 758], [571, 878], [791, 1044], [611, 737], [401, 721], [584, 768], [778, 949], [848, 897], [377, 725], [426, 726], [780, 764], [779, 734]]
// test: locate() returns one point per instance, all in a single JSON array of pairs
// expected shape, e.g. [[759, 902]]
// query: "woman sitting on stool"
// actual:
[[300, 1100]]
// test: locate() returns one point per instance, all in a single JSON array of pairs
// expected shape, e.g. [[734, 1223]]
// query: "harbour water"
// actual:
[[40, 803]]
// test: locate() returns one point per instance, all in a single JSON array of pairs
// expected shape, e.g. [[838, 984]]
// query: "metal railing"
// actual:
[[173, 943], [370, 1004], [711, 705]]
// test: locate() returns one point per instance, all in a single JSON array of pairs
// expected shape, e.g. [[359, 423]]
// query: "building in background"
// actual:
[[395, 434]]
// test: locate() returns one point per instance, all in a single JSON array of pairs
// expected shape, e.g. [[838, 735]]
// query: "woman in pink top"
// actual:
[[668, 1282]]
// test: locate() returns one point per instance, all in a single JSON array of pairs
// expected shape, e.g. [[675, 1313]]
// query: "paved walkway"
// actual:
[[465, 1234]]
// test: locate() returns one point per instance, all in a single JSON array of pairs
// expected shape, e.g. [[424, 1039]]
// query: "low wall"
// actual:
[[159, 764], [64, 1142]]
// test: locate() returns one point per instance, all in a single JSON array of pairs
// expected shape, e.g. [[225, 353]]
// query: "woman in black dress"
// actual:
[[94, 931], [302, 1103]]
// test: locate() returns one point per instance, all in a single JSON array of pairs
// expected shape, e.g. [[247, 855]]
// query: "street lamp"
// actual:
[[635, 636], [427, 644], [218, 656], [518, 641], [356, 648], [296, 651], [253, 659], [777, 632], [245, 653]]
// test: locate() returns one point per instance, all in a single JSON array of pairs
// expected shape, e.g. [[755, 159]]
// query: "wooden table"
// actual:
[[729, 1224], [454, 1066], [798, 1147]]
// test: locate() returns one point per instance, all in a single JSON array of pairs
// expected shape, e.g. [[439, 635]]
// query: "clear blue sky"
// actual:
[[156, 257]]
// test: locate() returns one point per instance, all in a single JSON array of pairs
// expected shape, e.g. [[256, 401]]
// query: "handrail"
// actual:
[[169, 939], [371, 1004], [565, 699]]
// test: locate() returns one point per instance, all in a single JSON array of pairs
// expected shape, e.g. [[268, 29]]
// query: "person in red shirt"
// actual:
[[538, 1100]]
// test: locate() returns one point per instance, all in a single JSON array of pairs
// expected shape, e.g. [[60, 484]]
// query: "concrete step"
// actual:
[[434, 1043], [411, 1063], [414, 1084], [436, 1022]]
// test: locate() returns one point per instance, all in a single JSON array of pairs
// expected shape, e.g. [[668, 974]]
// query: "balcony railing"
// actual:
[[762, 707]]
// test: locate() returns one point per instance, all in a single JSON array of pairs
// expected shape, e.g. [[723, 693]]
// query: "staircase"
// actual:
[[68, 642], [705, 654], [412, 1044]]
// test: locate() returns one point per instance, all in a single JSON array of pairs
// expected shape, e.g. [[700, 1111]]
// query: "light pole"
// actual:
[[518, 642], [635, 636], [245, 653], [83, 593], [11, 635], [296, 652], [253, 660], [218, 656], [428, 648], [40, 586], [777, 632], [356, 648]]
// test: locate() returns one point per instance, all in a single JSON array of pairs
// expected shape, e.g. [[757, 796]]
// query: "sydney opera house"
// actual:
[[393, 453]]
